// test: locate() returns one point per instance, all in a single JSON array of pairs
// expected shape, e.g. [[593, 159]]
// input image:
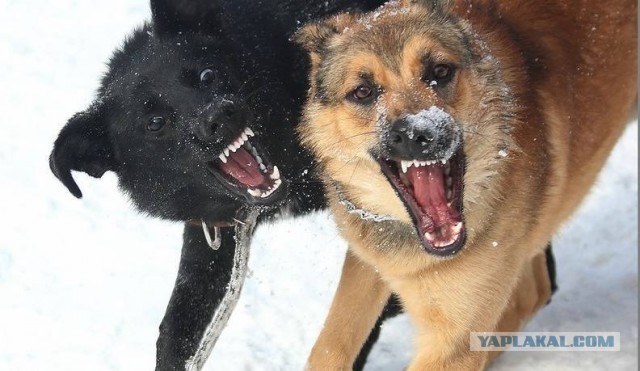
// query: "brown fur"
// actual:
[[549, 83]]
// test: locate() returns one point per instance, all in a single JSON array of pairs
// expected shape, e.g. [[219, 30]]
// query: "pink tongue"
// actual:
[[244, 168], [428, 189]]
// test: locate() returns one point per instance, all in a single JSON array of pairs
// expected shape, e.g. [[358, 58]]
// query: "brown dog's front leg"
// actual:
[[358, 302], [454, 298], [532, 292]]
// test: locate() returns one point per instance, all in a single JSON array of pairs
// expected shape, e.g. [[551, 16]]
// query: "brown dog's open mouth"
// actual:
[[432, 192], [245, 169]]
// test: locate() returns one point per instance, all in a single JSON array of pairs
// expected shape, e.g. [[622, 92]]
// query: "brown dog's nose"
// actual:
[[423, 136]]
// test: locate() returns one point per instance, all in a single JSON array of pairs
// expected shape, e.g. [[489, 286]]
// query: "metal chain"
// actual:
[[352, 209]]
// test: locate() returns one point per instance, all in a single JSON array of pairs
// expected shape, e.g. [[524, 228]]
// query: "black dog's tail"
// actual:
[[551, 268]]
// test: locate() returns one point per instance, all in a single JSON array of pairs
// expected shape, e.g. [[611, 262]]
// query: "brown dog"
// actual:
[[454, 140]]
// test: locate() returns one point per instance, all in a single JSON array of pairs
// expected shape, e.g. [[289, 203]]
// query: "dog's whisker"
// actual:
[[357, 115], [261, 88], [295, 180], [351, 137], [354, 170], [305, 182], [347, 163], [475, 132], [246, 82]]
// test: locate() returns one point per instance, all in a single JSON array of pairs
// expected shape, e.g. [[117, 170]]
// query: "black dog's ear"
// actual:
[[173, 16], [83, 145]]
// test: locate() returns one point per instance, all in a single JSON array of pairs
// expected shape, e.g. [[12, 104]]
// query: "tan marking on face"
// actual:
[[365, 64], [343, 133], [420, 46]]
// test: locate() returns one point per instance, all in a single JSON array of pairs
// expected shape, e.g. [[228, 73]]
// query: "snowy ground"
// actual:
[[84, 284]]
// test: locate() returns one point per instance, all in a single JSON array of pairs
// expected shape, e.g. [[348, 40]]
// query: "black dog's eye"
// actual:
[[156, 123], [207, 76], [363, 94]]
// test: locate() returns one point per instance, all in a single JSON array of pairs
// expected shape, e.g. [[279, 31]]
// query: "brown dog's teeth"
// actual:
[[430, 237], [405, 165], [457, 228]]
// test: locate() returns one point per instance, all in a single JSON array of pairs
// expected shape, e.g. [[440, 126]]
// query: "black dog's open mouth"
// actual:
[[245, 169], [432, 192]]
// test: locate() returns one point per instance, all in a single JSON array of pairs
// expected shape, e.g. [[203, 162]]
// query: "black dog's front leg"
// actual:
[[201, 284], [202, 280], [391, 309]]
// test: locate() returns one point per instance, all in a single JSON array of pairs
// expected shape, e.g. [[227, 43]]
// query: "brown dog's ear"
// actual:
[[83, 145], [436, 6], [314, 36]]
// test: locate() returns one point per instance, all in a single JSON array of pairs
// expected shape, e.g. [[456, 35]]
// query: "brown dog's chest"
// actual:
[[391, 246]]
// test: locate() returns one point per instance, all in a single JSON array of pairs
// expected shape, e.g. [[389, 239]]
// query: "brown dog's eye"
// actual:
[[156, 123], [441, 72], [439, 75], [363, 94]]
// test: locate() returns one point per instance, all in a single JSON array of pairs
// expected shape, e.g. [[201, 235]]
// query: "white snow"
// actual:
[[429, 117], [84, 283]]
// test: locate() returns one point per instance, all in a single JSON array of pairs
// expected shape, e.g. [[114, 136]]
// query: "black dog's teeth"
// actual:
[[255, 154], [273, 173], [237, 143], [243, 141]]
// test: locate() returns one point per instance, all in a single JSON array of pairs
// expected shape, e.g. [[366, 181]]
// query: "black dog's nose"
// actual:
[[224, 113], [423, 136]]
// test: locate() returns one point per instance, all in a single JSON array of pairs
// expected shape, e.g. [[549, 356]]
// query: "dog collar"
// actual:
[[215, 242], [353, 209]]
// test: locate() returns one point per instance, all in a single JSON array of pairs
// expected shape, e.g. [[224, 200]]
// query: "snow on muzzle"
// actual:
[[425, 164]]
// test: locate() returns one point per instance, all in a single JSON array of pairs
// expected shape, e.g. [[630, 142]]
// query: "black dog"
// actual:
[[196, 116]]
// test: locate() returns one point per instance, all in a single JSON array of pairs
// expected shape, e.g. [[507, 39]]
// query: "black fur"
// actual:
[[391, 309], [156, 74], [204, 274], [551, 268]]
